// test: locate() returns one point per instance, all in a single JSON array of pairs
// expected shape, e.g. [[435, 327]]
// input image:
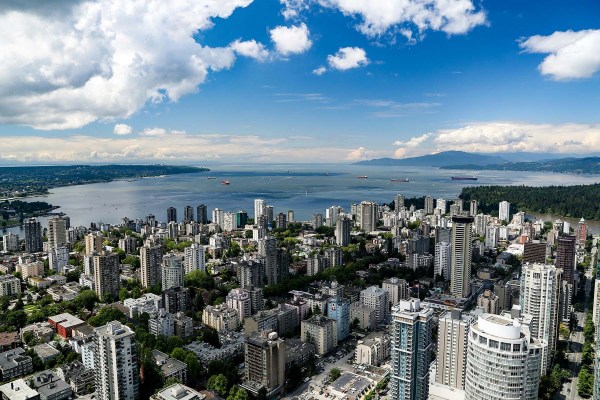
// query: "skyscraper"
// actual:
[[377, 299], [443, 260], [411, 348], [440, 204], [57, 232], [368, 216], [504, 211], [581, 233], [172, 271], [397, 288], [453, 330], [428, 205], [265, 363], [473, 208], [107, 280], [338, 309], [267, 249], [150, 262], [317, 220], [342, 231], [116, 362], [194, 258], [540, 296], [565, 257], [202, 214], [503, 361], [398, 202], [462, 238], [171, 214], [93, 243], [534, 252], [188, 214], [259, 208]]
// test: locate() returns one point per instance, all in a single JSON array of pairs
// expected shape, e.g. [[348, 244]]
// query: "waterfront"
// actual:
[[306, 189]]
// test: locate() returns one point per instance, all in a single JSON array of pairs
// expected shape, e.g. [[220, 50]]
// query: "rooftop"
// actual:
[[66, 320], [18, 390], [178, 391]]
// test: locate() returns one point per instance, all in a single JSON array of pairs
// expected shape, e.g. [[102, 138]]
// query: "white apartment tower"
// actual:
[[368, 216], [503, 361], [397, 288], [194, 258], [57, 232], [172, 271], [462, 239], [504, 211], [259, 209], [115, 362], [377, 299], [540, 297], [411, 350], [443, 259], [453, 330]]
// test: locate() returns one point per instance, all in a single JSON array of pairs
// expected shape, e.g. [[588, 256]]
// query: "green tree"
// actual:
[[218, 383], [237, 393], [106, 315], [199, 279], [123, 294], [86, 298], [193, 365], [334, 374]]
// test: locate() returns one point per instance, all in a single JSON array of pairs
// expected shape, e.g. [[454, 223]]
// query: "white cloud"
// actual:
[[413, 142], [293, 8], [359, 154], [291, 40], [250, 48], [384, 16], [517, 137], [122, 129], [348, 58], [572, 55], [319, 71], [104, 59]]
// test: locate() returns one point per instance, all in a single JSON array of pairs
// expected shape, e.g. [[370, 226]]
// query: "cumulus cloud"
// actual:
[[103, 59], [359, 154], [348, 58], [519, 137], [410, 18], [319, 71], [571, 55], [158, 144], [291, 40], [122, 129], [250, 48], [413, 142]]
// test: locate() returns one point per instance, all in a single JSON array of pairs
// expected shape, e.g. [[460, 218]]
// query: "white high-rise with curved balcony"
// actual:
[[503, 360]]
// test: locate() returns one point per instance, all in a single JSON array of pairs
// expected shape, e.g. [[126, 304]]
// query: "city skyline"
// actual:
[[295, 80]]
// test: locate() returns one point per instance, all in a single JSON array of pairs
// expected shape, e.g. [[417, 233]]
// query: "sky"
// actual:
[[293, 81]]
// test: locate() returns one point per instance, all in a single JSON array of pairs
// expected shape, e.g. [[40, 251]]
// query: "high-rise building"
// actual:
[[151, 220], [540, 297], [93, 243], [332, 214], [188, 214], [398, 202], [320, 331], [338, 309], [128, 244], [176, 299], [259, 208], [397, 288], [116, 362], [10, 242], [264, 357], [368, 216], [442, 261], [473, 208], [171, 214], [411, 350], [377, 299], [172, 271], [241, 218], [342, 231], [239, 300], [58, 258], [462, 238], [150, 262], [202, 214], [534, 252], [290, 216], [33, 236], [581, 233], [441, 205], [492, 237], [281, 221], [451, 362], [503, 361], [267, 249], [428, 205], [57, 232], [317, 220], [107, 280], [596, 306], [489, 302], [565, 257], [269, 213], [504, 211], [194, 258]]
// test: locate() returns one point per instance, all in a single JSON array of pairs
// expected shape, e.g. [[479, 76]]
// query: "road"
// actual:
[[569, 390]]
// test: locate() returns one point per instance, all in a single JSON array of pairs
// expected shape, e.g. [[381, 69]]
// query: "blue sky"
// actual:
[[171, 82]]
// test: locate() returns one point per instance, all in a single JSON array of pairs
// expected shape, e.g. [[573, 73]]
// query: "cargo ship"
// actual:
[[211, 177], [464, 178], [225, 182], [362, 177], [399, 180]]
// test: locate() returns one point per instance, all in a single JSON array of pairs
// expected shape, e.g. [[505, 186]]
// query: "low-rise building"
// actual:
[[261, 321], [18, 390], [373, 349], [221, 318], [184, 325], [320, 331], [162, 324], [42, 332], [14, 363], [170, 367], [82, 380], [50, 386], [9, 341], [365, 316], [10, 285], [64, 324], [45, 352], [177, 391]]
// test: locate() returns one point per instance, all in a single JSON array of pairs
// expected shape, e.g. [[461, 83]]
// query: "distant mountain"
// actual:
[[442, 159], [585, 165]]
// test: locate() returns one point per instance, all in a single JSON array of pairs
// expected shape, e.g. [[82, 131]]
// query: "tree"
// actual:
[[210, 336], [106, 315], [262, 394], [87, 299], [237, 393], [585, 384], [199, 279], [123, 294], [194, 368], [218, 383], [334, 374], [564, 331], [179, 354]]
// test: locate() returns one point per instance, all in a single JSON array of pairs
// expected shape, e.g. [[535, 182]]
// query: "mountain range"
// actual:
[[443, 159]]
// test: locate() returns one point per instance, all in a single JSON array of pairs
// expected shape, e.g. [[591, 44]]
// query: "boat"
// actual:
[[464, 178], [225, 182], [399, 180], [211, 177], [362, 177]]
